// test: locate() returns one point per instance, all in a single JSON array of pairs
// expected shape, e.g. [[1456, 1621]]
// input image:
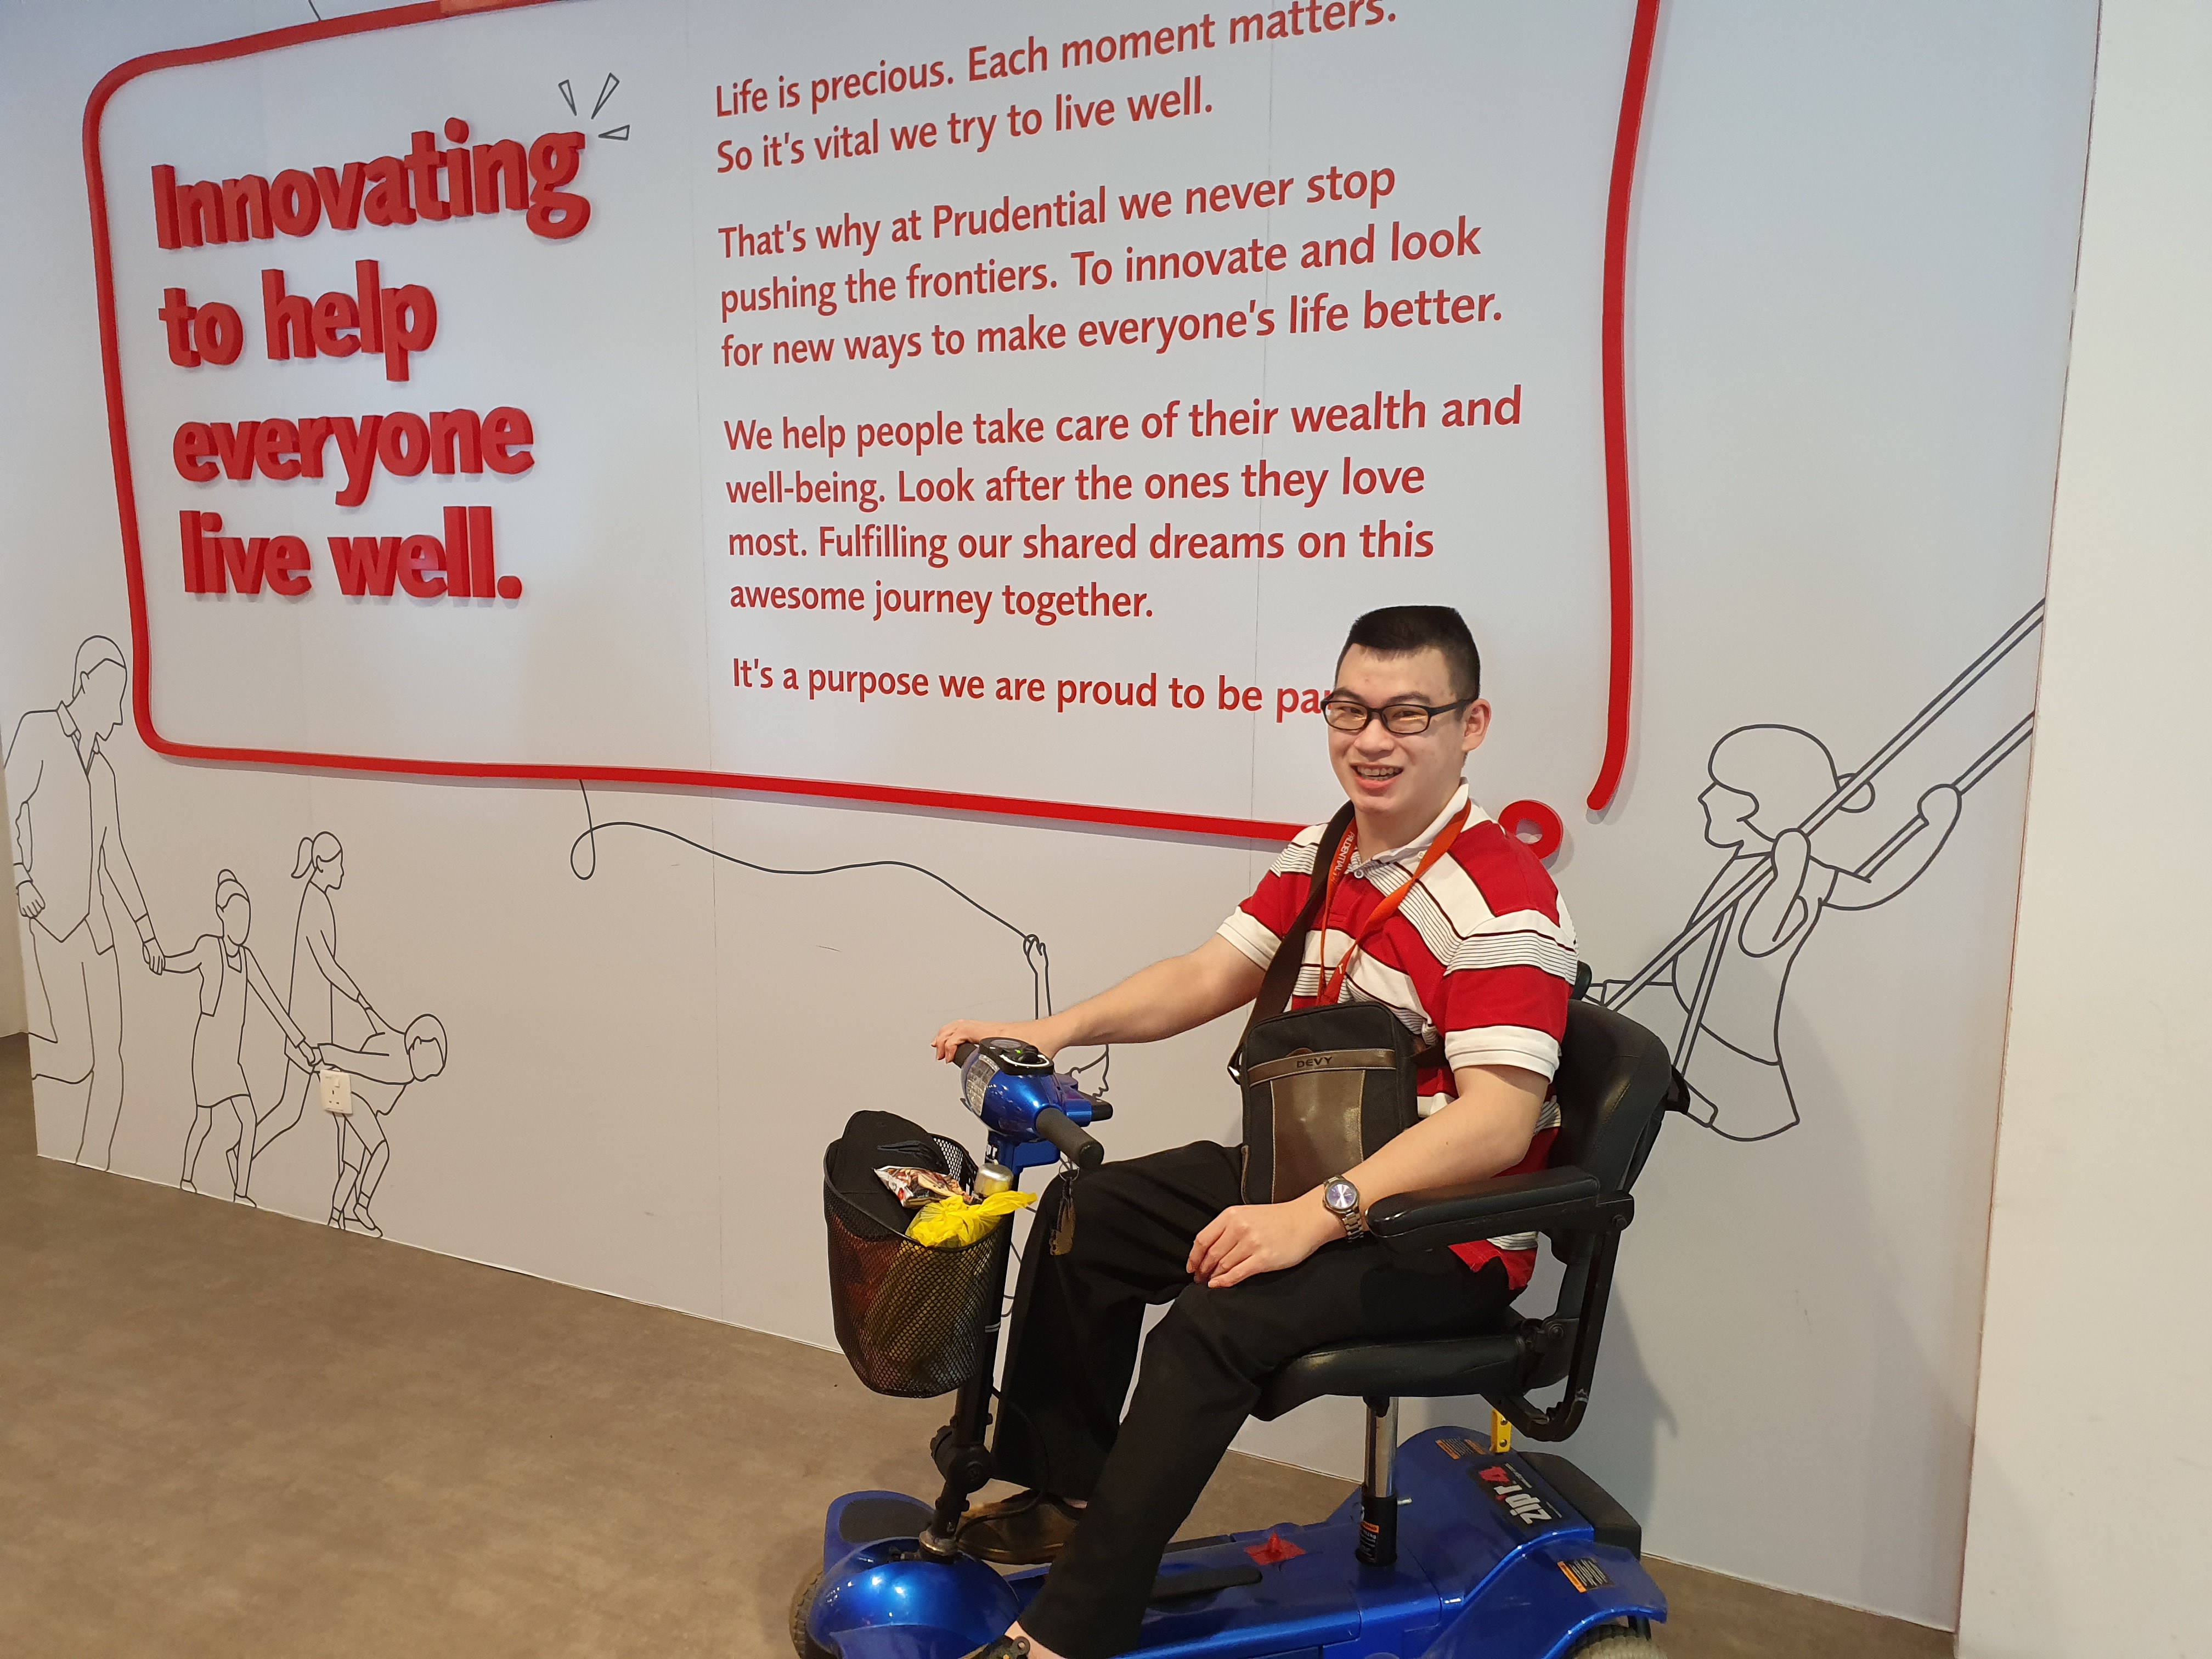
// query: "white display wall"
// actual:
[[2128, 587], [1848, 276]]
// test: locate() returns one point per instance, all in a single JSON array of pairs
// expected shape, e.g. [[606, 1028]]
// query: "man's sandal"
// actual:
[[1027, 1529], [1006, 1647]]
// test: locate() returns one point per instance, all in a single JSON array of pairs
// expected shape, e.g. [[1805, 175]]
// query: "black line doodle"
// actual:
[[380, 1072], [319, 979], [227, 971], [568, 96], [1772, 787], [606, 91], [67, 835], [620, 132], [1034, 952]]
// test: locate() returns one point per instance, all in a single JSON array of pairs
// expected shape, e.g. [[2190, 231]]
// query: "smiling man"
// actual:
[[1478, 958]]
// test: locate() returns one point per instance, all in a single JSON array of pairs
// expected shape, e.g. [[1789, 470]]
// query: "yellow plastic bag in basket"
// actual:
[[956, 1221]]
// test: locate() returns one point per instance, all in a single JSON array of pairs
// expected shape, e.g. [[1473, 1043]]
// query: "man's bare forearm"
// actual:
[[1486, 1130], [1155, 1002], [1163, 1001]]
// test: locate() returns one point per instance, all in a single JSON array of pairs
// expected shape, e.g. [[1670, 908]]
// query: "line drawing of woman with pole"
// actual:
[[227, 971], [1772, 787], [317, 980]]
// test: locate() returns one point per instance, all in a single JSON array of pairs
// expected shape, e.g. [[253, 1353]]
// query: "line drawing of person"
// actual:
[[68, 835], [227, 971], [1766, 780], [380, 1071], [1772, 787], [317, 980]]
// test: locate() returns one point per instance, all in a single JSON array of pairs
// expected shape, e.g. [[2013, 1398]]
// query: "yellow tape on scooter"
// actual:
[[954, 1221]]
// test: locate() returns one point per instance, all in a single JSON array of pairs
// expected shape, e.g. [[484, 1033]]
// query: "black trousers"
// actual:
[[1076, 1324]]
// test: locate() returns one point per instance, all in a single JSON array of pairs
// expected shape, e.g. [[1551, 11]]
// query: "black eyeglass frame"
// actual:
[[1340, 700]]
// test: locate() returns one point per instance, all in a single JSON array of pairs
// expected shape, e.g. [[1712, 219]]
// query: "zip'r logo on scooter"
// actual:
[[1523, 1506]]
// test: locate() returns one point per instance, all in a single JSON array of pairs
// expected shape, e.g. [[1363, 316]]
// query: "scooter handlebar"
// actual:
[[1071, 1141]]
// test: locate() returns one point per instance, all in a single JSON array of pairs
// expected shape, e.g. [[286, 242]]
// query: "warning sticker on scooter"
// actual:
[[1514, 1499], [1584, 1574]]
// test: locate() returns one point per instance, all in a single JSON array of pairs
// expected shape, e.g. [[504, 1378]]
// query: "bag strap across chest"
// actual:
[[1280, 983]]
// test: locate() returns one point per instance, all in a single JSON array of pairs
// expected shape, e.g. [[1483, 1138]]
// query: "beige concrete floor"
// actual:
[[223, 1432]]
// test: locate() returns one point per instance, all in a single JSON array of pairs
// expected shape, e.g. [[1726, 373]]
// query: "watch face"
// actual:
[[1340, 1195]]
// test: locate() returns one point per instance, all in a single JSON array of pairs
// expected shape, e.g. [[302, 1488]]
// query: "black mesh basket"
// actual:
[[908, 1317]]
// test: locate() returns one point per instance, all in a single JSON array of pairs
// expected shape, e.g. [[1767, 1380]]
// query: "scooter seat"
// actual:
[[1614, 1084], [1436, 1369]]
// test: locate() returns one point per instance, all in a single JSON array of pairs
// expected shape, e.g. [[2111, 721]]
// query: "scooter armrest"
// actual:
[[1538, 1200]]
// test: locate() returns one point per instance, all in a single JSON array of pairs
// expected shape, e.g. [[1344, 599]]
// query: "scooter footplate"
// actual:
[[1287, 1591]]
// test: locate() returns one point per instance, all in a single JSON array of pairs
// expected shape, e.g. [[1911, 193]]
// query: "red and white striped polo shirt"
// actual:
[[1482, 951]]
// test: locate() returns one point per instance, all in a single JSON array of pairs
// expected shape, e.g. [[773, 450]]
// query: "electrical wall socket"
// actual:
[[337, 1091]]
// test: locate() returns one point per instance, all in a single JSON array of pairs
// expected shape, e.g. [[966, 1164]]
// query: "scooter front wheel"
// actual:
[[1612, 1642], [805, 1646]]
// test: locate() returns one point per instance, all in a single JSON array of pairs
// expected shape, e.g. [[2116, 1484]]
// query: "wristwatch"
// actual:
[[1342, 1199]]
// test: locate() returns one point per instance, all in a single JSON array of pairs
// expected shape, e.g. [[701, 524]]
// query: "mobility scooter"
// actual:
[[1455, 1546]]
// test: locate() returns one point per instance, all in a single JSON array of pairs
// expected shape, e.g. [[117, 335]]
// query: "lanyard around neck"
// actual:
[[1333, 985]]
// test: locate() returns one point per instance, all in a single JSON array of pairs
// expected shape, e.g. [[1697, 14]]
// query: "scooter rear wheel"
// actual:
[[804, 1645]]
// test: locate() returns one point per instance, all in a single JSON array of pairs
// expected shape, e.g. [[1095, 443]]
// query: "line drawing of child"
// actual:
[[317, 980], [227, 971], [381, 1071], [1766, 781]]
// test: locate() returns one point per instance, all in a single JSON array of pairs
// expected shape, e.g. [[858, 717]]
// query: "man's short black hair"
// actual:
[[1401, 629]]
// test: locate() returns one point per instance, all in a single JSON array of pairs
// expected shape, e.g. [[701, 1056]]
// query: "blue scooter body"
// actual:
[[1492, 1564], [1010, 1101]]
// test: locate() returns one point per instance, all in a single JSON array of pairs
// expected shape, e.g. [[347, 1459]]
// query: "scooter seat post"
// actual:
[[1378, 1490]]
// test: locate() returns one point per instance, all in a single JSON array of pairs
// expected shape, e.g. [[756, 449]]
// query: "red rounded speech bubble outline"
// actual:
[[1620, 565]]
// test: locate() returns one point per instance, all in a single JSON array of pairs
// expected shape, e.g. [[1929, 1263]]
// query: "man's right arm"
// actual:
[[1159, 1001]]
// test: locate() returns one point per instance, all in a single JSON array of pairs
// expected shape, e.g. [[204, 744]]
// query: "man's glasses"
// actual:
[[1403, 720]]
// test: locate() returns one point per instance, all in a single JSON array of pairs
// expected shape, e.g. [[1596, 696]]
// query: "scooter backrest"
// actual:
[[1614, 1082]]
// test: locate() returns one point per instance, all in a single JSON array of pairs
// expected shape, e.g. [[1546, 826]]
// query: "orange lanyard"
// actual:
[[1332, 986]]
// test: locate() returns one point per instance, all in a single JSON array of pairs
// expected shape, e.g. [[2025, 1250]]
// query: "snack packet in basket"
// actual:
[[926, 1292], [956, 1221], [916, 1187]]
